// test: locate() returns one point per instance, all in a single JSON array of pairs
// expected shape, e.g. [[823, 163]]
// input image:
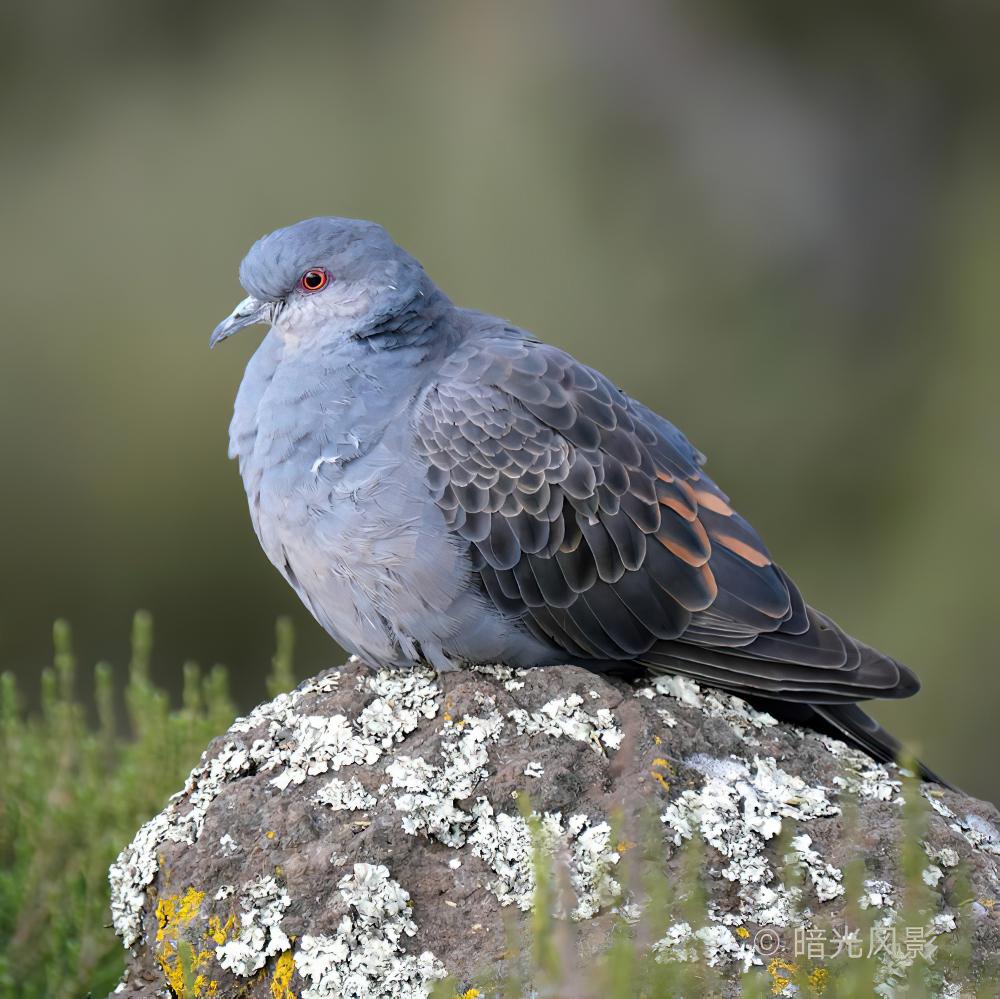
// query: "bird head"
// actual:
[[326, 278]]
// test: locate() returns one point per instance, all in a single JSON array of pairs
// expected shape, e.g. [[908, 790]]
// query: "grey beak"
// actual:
[[251, 310]]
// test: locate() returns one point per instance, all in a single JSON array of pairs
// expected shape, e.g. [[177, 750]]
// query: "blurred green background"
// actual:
[[777, 223]]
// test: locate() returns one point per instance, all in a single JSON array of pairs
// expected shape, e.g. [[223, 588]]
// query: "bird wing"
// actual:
[[589, 518]]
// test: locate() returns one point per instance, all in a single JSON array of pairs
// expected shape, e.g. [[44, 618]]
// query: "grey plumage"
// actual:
[[439, 485]]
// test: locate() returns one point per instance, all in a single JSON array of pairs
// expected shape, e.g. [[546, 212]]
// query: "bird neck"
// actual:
[[419, 322]]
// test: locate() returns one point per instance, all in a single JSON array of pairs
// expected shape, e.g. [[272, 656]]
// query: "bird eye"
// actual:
[[315, 279]]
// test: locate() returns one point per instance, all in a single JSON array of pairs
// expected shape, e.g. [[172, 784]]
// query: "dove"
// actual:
[[439, 486]]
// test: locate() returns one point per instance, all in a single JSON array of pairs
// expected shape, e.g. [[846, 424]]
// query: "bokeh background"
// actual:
[[778, 223]]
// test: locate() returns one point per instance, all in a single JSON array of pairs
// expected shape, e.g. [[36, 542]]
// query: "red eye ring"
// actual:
[[314, 279]]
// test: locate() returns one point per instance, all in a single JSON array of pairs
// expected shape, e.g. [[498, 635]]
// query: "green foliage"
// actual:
[[73, 791]]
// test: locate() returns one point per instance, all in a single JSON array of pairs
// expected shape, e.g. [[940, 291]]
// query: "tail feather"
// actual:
[[852, 725]]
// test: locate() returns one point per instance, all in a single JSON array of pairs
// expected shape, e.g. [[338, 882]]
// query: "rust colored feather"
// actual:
[[713, 502], [742, 549]]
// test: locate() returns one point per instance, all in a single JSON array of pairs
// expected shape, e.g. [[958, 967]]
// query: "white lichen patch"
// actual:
[[499, 671], [744, 719], [563, 716], [824, 878], [135, 868], [714, 944], [878, 894], [666, 717], [262, 905], [931, 875], [933, 796], [298, 745], [861, 774], [403, 699], [737, 812], [505, 843], [317, 744], [342, 796], [365, 957], [677, 944], [678, 687], [590, 865], [981, 834], [976, 831], [431, 792], [946, 856]]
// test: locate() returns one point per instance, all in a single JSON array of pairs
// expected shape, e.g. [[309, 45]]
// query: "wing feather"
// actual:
[[591, 522]]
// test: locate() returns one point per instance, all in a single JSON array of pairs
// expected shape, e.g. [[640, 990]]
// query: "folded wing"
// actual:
[[589, 518]]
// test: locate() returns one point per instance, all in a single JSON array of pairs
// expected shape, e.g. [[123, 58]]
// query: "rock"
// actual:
[[363, 835]]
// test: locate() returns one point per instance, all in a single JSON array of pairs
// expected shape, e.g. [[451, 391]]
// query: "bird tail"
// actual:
[[850, 723]]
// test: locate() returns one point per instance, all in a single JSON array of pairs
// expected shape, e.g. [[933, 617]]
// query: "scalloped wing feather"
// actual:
[[590, 520]]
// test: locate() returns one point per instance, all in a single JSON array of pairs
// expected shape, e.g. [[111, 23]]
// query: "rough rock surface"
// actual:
[[363, 835]]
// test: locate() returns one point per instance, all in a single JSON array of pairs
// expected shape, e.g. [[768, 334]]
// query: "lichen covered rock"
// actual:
[[369, 833]]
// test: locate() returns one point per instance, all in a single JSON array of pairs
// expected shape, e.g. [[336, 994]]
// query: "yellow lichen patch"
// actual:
[[988, 903], [742, 932], [818, 980], [469, 994], [205, 988], [180, 964], [176, 911], [624, 845], [659, 765], [657, 740], [270, 834], [219, 931], [782, 972], [281, 980]]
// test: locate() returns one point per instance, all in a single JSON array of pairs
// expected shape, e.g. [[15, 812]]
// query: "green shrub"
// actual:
[[73, 790]]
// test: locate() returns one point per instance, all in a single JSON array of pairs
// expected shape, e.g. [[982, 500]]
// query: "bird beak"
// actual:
[[251, 310]]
